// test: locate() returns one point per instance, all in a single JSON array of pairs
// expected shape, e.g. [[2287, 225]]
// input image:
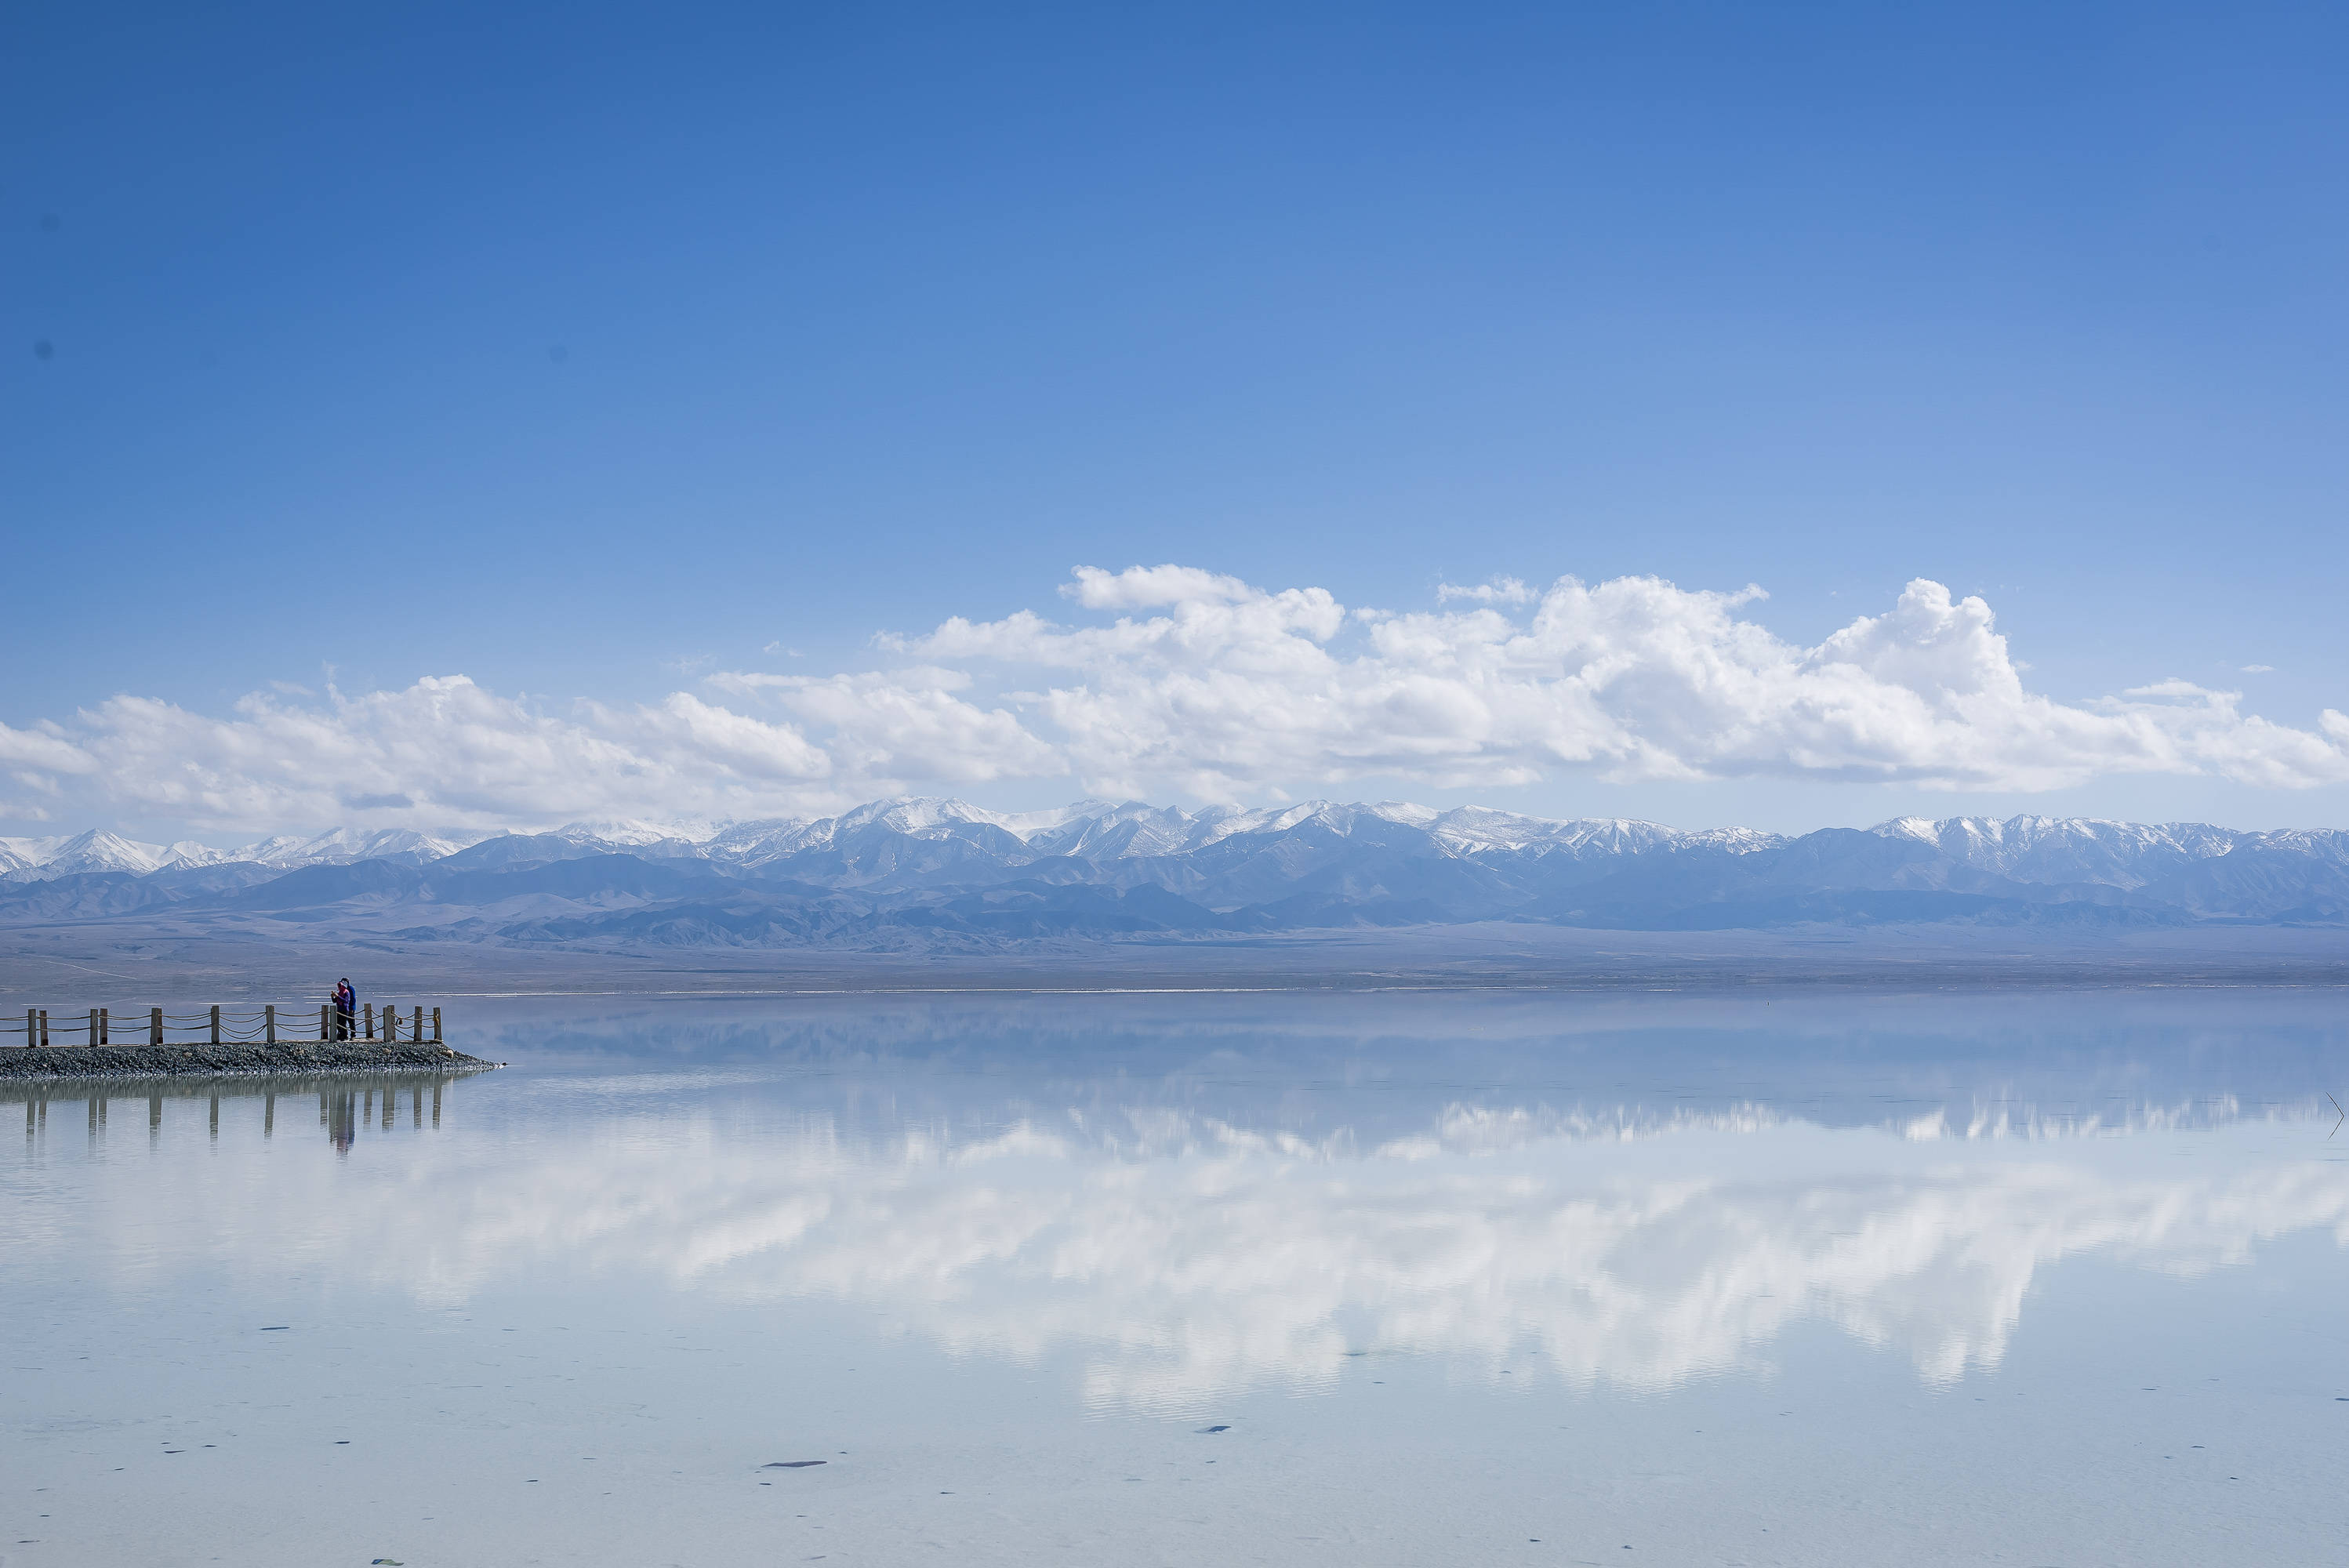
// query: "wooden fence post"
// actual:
[[367, 1023], [32, 1029], [105, 1028], [216, 1023], [324, 1010], [45, 1026], [154, 1025], [436, 1026], [417, 1034], [269, 1023]]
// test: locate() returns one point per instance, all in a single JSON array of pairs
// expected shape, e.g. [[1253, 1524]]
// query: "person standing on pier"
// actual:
[[346, 1010]]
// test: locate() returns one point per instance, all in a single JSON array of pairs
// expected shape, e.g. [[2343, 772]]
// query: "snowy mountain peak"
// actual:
[[630, 831], [342, 846], [46, 858], [2069, 848]]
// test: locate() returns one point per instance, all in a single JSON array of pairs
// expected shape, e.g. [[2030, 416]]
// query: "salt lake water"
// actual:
[[2055, 1278]]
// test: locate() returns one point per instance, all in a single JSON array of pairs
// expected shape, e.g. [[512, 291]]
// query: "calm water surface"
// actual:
[[1401, 1279]]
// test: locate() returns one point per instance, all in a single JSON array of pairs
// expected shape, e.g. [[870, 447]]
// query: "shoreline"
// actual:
[[143, 963]]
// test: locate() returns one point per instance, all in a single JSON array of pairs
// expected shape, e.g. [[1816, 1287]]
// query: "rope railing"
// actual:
[[270, 1025]]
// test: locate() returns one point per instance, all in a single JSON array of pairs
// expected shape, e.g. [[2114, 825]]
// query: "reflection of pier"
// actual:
[[348, 1107], [344, 1110]]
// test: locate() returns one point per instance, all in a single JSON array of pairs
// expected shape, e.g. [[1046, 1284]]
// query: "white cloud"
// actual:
[[1146, 587], [456, 753], [909, 724], [1229, 694], [1499, 590], [748, 747], [1185, 681]]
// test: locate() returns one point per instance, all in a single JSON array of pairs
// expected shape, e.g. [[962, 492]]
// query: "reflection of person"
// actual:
[[346, 1008]]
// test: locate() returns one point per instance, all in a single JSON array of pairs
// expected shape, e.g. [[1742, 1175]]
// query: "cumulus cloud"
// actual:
[[1175, 679], [442, 751], [909, 724], [1228, 693]]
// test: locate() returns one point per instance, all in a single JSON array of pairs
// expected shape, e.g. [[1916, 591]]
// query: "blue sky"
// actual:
[[592, 353]]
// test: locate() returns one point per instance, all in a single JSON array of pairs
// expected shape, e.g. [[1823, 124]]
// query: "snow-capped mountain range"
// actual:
[[2033, 848], [40, 859], [1105, 868]]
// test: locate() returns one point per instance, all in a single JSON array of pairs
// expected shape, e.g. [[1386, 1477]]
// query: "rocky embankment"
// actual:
[[196, 1061]]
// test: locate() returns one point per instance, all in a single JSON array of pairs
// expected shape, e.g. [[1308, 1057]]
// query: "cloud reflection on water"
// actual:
[[1184, 1260]]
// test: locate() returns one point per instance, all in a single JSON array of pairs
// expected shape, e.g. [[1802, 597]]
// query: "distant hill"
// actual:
[[912, 870]]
